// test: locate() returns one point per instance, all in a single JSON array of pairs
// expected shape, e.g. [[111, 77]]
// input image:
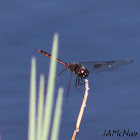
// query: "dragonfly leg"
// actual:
[[77, 85], [81, 81], [60, 74], [69, 82]]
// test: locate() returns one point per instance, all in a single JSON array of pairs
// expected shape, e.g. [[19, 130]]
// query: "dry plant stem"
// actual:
[[81, 110]]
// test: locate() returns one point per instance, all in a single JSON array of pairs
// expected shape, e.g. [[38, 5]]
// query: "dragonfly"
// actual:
[[83, 69]]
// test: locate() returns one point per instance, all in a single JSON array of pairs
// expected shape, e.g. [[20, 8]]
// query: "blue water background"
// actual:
[[89, 30]]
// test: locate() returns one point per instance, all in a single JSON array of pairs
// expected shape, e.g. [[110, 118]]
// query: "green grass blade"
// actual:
[[50, 90], [40, 108], [32, 102], [57, 115]]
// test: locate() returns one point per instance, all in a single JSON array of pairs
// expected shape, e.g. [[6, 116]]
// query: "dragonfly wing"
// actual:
[[102, 66]]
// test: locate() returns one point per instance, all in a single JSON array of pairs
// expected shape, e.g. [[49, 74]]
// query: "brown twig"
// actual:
[[81, 110]]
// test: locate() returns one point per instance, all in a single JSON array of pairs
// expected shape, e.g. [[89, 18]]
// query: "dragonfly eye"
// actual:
[[84, 73]]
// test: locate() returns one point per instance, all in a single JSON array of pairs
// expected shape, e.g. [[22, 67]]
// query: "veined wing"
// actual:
[[102, 66]]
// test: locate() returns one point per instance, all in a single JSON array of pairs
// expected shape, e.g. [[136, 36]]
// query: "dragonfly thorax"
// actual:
[[78, 69]]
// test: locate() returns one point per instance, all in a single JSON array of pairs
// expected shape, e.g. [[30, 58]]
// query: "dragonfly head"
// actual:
[[84, 73]]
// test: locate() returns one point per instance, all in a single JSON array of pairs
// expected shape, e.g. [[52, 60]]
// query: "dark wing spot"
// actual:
[[97, 65], [110, 62]]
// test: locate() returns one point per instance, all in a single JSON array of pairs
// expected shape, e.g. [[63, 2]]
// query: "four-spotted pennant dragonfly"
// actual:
[[82, 69]]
